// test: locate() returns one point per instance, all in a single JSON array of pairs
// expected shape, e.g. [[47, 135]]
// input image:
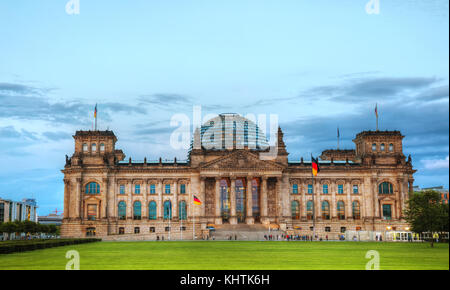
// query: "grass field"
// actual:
[[234, 255]]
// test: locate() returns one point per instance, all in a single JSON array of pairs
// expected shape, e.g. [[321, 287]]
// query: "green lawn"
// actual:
[[234, 255]]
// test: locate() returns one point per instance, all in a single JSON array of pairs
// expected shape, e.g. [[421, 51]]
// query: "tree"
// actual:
[[426, 214]]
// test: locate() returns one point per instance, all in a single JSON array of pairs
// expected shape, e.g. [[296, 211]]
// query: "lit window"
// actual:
[[355, 189], [356, 210], [294, 188], [85, 147], [92, 212], [94, 147], [102, 147], [374, 147], [152, 189], [325, 189], [340, 189], [382, 147]]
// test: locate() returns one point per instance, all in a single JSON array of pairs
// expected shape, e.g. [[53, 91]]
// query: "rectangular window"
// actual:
[[122, 189], [387, 214], [355, 189], [92, 212], [325, 189], [295, 188], [183, 228], [167, 229], [137, 188], [343, 229], [152, 189], [182, 188], [340, 189], [328, 229], [167, 189], [137, 230], [121, 231], [152, 229], [310, 189]]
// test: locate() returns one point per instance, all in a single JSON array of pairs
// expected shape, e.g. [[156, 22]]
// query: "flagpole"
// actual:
[[193, 223], [376, 114], [338, 135]]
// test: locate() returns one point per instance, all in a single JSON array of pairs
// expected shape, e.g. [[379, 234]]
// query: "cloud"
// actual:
[[165, 100], [56, 136], [436, 163], [28, 103], [437, 93], [10, 132]]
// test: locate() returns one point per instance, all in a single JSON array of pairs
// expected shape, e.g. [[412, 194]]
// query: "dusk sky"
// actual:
[[316, 64]]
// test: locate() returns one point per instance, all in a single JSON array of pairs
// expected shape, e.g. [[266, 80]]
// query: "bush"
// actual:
[[30, 245]]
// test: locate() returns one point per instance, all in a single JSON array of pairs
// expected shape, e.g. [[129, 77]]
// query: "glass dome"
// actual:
[[232, 131]]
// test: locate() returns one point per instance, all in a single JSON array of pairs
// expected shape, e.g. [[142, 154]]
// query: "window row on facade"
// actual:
[[93, 147], [382, 147], [383, 188], [94, 188], [152, 210]]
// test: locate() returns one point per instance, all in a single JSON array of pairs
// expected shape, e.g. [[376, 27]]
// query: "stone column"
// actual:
[[349, 213], [233, 218], [217, 213], [66, 199], [145, 191], [333, 200], [105, 198], [160, 211], [303, 191], [264, 218], [376, 212], [279, 211], [79, 201], [130, 200], [249, 218], [175, 199], [202, 198]]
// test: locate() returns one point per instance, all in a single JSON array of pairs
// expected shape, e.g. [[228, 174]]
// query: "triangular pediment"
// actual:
[[241, 160]]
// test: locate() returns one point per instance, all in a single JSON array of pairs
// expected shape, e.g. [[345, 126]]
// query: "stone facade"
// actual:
[[361, 189]]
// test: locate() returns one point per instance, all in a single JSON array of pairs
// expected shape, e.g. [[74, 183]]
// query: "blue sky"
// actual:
[[317, 64]]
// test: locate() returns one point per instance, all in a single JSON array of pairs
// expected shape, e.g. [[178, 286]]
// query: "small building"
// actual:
[[51, 219], [18, 210], [443, 191]]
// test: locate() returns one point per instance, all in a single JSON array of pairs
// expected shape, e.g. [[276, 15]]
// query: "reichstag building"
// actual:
[[113, 197]]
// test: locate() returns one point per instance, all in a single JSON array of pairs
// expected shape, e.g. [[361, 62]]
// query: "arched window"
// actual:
[[309, 210], [385, 188], [137, 210], [92, 188], [356, 210], [382, 147], [374, 147], [102, 147], [85, 147], [341, 210], [182, 210], [295, 188], [167, 210], [122, 210], [295, 209], [93, 147], [391, 147], [152, 210], [325, 210]]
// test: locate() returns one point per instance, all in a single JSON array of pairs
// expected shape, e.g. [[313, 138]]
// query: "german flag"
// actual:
[[197, 201], [95, 111], [315, 166]]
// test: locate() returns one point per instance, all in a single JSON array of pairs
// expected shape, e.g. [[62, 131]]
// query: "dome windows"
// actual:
[[94, 147], [382, 147], [85, 147], [391, 147], [102, 147]]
